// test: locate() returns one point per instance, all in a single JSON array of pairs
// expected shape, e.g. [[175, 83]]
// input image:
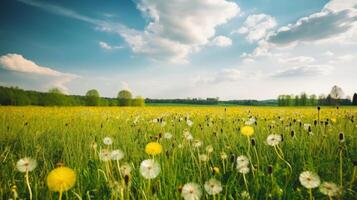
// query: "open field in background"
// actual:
[[201, 137]]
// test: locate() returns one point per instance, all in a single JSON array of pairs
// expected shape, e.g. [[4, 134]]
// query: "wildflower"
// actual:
[[250, 121], [329, 189], [187, 135], [245, 195], [149, 169], [247, 131], [307, 126], [224, 156], [116, 154], [26, 164], [189, 122], [243, 169], [274, 139], [153, 148], [309, 179], [203, 157], [197, 143], [215, 170], [105, 155], [242, 161], [209, 149], [61, 179], [107, 141], [168, 136], [191, 191], [341, 137], [213, 186], [125, 169]]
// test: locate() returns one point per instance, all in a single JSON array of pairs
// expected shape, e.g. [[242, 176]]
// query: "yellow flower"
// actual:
[[247, 130], [333, 120], [215, 170], [61, 179], [153, 148]]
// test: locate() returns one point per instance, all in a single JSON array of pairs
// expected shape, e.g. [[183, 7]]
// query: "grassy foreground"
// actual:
[[205, 144]]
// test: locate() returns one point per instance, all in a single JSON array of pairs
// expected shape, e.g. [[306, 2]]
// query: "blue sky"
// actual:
[[180, 48]]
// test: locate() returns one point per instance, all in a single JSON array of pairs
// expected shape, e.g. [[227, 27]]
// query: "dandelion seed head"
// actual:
[[274, 139], [191, 191], [149, 169], [213, 186], [117, 154], [26, 164], [309, 180], [329, 189], [107, 141]]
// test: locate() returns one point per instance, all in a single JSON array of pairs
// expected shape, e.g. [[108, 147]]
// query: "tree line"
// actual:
[[335, 97], [55, 97]]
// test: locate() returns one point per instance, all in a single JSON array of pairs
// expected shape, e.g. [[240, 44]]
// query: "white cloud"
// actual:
[[221, 41], [178, 27], [297, 60], [303, 71], [329, 53], [256, 27], [107, 46], [17, 63], [335, 19]]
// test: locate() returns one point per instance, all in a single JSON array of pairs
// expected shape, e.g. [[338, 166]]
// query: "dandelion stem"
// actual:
[[256, 154], [341, 170], [245, 182], [353, 177], [28, 183], [281, 157], [60, 195], [310, 192]]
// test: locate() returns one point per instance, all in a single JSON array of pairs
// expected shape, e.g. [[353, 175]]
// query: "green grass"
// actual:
[[64, 135]]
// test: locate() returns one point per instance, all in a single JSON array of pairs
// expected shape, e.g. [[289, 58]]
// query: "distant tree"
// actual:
[[303, 99], [336, 94], [92, 98], [138, 101], [297, 100], [55, 97], [124, 98], [354, 99], [312, 100]]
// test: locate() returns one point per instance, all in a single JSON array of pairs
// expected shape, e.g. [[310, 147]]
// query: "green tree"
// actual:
[[55, 97], [354, 99], [124, 98], [92, 98], [138, 101]]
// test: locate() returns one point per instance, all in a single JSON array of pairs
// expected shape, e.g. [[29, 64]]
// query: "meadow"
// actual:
[[178, 153]]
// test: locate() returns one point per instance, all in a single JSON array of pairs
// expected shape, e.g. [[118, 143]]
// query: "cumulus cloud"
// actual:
[[17, 63], [221, 41], [303, 71], [336, 18], [256, 27], [107, 46], [175, 28]]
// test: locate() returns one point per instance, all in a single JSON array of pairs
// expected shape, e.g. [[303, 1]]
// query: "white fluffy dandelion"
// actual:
[[107, 141], [223, 156], [168, 136], [309, 179], [274, 139], [125, 169], [209, 149], [149, 169], [117, 154], [203, 157], [105, 155], [191, 191], [243, 169], [26, 164], [197, 143], [189, 122], [213, 186], [330, 189], [242, 161]]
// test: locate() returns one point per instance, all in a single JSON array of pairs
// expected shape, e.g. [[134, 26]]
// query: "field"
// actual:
[[196, 144]]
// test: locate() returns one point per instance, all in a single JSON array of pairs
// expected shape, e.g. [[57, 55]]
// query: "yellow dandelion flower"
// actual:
[[153, 148], [215, 170], [247, 131], [61, 179], [333, 120]]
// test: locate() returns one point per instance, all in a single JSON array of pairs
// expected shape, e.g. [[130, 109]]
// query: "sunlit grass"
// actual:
[[197, 148]]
